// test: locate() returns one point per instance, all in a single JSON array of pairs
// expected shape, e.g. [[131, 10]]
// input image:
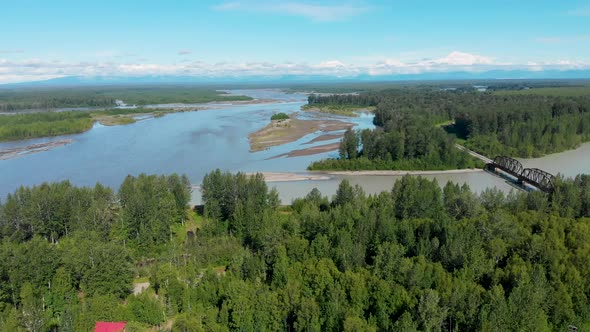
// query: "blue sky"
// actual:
[[45, 39]]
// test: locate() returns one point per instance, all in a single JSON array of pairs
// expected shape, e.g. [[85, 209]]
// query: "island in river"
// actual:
[[280, 132]]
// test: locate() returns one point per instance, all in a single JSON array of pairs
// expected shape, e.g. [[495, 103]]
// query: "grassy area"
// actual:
[[114, 117], [193, 223], [573, 91], [141, 280], [346, 110]]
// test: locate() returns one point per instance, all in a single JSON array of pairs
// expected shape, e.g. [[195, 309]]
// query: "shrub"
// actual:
[[279, 116]]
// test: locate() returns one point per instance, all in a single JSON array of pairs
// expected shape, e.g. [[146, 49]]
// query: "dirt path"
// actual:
[[139, 287]]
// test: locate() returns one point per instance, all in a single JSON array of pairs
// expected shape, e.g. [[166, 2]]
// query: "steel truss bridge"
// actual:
[[532, 176]]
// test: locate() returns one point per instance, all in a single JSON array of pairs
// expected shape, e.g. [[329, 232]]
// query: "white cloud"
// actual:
[[184, 52], [315, 12], [40, 69], [463, 59], [331, 64]]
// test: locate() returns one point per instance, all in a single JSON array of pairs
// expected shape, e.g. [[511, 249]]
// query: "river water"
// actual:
[[194, 143]]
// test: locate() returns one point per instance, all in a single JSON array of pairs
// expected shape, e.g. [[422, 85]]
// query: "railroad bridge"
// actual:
[[533, 176]]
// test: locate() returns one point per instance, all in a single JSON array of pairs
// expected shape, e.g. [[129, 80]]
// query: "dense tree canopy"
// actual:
[[419, 257]]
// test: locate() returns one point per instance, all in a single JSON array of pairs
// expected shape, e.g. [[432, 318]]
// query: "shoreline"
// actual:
[[290, 177], [11, 153], [308, 151], [270, 177], [402, 172], [212, 105]]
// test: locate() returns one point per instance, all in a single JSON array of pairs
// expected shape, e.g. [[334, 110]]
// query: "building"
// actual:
[[110, 327]]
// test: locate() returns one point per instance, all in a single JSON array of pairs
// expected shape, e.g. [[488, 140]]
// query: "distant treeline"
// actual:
[[45, 103], [368, 99], [61, 97]]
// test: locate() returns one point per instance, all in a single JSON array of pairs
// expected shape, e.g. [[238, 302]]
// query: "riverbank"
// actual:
[[319, 176], [32, 148], [401, 173], [281, 132], [309, 151], [289, 177]]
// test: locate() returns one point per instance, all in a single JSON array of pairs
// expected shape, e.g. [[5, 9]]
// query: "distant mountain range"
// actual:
[[286, 79]]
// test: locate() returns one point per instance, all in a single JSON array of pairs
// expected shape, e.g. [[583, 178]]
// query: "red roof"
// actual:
[[109, 327]]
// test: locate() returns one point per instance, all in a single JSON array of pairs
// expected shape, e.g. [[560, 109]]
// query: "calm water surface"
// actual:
[[194, 143]]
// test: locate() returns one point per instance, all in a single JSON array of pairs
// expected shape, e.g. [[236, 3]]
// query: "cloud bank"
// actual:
[[41, 69]]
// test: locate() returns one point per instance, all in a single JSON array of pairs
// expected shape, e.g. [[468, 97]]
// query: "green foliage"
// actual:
[[97, 267], [237, 199], [146, 309], [150, 206], [569, 91], [32, 315], [279, 116], [23, 126], [349, 145], [524, 125], [417, 258]]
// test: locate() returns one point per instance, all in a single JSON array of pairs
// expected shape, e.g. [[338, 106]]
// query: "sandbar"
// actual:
[[310, 151], [286, 131], [288, 177], [326, 137], [33, 148], [401, 172]]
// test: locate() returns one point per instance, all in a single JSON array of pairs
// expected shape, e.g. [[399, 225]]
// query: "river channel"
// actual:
[[194, 143]]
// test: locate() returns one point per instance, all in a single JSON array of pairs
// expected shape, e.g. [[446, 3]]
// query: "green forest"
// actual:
[[417, 128], [416, 258]]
